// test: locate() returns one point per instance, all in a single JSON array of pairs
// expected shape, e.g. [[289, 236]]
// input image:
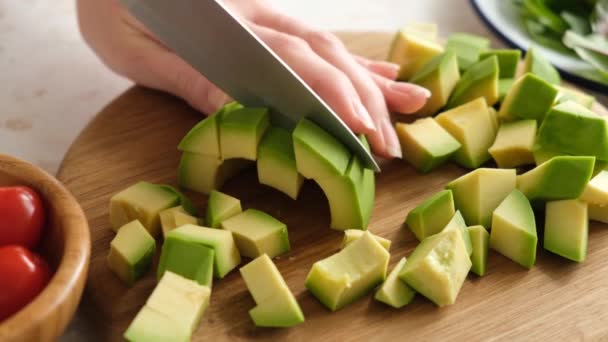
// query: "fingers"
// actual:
[[403, 98], [385, 69]]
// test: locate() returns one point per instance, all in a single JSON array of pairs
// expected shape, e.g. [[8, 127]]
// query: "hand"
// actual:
[[361, 91]]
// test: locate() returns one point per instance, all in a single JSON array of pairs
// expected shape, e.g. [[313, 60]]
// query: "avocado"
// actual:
[[570, 128], [351, 235], [597, 212], [131, 252], [457, 223], [241, 131], [277, 162], [562, 177], [494, 118], [480, 240], [187, 259], [565, 94], [596, 191], [541, 155], [428, 31], [174, 217], [226, 256], [202, 173], [141, 201], [473, 127], [535, 63], [467, 47], [514, 144], [256, 233], [438, 267], [220, 207], [150, 325], [479, 80], [518, 105], [508, 60], [346, 276], [504, 86], [567, 229], [440, 76], [425, 144], [412, 50], [513, 231], [275, 304], [394, 291], [432, 215]]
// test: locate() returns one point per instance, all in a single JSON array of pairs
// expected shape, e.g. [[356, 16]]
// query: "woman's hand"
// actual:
[[359, 90]]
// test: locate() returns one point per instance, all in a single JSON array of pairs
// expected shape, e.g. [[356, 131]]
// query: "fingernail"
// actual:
[[393, 146], [363, 115], [409, 88], [217, 98]]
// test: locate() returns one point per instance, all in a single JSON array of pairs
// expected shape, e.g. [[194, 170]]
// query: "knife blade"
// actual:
[[215, 42]]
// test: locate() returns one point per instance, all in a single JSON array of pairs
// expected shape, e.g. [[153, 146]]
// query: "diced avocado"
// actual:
[[412, 51], [598, 212], [188, 259], [480, 80], [513, 231], [530, 97], [394, 291], [567, 229], [536, 63], [467, 47], [562, 177], [573, 129], [275, 304], [565, 94], [350, 235], [457, 223], [432, 215], [171, 313], [277, 162], [256, 233], [438, 267], [220, 207], [508, 59], [174, 217], [494, 118], [514, 144], [346, 276], [226, 255], [202, 173], [131, 251], [542, 155], [141, 201], [504, 86], [480, 240], [427, 30], [241, 131], [473, 127], [478, 193], [439, 76], [184, 201], [425, 144], [596, 191]]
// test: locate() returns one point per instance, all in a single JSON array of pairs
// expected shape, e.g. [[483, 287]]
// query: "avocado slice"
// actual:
[[457, 223], [412, 51], [596, 191], [478, 193], [438, 267], [220, 207], [472, 125], [562, 177], [440, 76], [394, 291], [275, 304], [567, 229], [513, 231], [565, 94], [514, 144], [467, 47], [175, 217], [350, 235], [535, 63], [277, 162], [517, 103], [504, 86], [479, 80], [256, 233], [202, 173], [480, 240], [187, 259], [131, 252], [432, 215], [508, 59], [425, 144], [346, 276], [241, 131]]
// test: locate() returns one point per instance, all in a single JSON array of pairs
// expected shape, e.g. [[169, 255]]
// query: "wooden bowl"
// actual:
[[66, 246]]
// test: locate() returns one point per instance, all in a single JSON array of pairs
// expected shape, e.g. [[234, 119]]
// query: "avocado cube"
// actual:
[[394, 291], [141, 201], [256, 233], [439, 76], [596, 191], [504, 86], [348, 275], [432, 215], [275, 304], [131, 252], [563, 177], [467, 47], [175, 217], [478, 193], [480, 240], [188, 259], [542, 155], [518, 105], [351, 235], [457, 223], [570, 128], [508, 59], [220, 207], [536, 64], [513, 231], [514, 144], [438, 267], [473, 127], [277, 162], [425, 144], [494, 118], [151, 325], [597, 212], [567, 229], [565, 94], [428, 31], [412, 51], [480, 80], [241, 131], [202, 173]]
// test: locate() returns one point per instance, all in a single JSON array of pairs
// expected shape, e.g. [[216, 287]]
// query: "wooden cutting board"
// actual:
[[135, 138]]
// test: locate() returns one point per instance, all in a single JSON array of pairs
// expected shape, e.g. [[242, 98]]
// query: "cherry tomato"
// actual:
[[23, 275], [21, 216]]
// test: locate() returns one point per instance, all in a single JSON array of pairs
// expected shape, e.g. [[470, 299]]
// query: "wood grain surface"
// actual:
[[135, 138]]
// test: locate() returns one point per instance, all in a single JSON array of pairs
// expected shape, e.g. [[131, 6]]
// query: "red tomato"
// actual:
[[23, 275], [21, 216]]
